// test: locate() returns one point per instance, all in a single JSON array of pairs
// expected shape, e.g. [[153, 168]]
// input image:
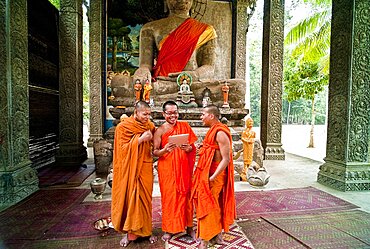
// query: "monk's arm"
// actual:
[[157, 151], [224, 143]]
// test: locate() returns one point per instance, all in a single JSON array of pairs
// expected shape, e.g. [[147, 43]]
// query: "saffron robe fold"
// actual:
[[176, 49], [132, 179], [174, 172], [203, 191]]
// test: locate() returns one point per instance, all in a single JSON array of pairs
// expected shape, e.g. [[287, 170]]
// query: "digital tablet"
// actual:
[[179, 139]]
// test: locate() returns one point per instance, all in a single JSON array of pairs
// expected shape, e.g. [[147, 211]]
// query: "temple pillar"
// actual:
[[17, 179], [241, 37], [96, 58], [272, 75], [347, 165], [71, 150], [244, 11]]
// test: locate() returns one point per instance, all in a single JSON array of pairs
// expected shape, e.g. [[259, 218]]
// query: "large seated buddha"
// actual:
[[178, 44]]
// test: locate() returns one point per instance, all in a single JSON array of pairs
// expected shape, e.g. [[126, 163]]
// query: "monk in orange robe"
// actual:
[[133, 176], [175, 168], [213, 181]]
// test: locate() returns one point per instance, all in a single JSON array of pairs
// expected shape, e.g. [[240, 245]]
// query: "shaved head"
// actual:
[[212, 109], [141, 104]]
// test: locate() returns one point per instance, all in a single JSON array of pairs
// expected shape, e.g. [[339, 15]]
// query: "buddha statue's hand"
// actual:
[[165, 78], [194, 75]]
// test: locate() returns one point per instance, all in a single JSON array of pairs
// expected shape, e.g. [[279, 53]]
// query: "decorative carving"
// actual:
[[347, 164], [20, 179], [95, 59], [3, 87], [272, 73], [71, 136]]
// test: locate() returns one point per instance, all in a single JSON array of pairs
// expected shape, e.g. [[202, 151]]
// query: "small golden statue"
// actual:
[[138, 87], [147, 89], [248, 137], [225, 91]]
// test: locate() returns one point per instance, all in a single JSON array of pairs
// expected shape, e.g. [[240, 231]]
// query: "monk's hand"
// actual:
[[146, 136], [169, 147], [186, 147], [197, 147]]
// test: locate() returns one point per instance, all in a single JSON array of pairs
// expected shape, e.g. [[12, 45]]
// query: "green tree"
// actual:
[[303, 81], [116, 29], [310, 38], [56, 3]]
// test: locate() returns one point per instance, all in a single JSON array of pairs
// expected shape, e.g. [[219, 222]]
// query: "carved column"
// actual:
[[272, 74], [245, 9], [71, 151], [241, 38], [17, 178], [347, 165], [96, 74]]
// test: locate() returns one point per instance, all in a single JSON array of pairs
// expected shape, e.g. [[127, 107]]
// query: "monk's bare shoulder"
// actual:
[[159, 131]]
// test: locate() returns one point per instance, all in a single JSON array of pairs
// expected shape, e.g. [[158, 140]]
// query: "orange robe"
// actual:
[[214, 201], [179, 45], [174, 172], [132, 179]]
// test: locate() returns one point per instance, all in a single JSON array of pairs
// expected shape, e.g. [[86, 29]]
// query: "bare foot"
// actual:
[[203, 244], [190, 231], [219, 239], [166, 237], [153, 239], [124, 241]]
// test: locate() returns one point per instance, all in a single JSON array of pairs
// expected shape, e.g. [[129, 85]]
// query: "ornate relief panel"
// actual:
[[96, 54], [17, 179], [70, 83], [272, 73], [347, 165], [241, 36]]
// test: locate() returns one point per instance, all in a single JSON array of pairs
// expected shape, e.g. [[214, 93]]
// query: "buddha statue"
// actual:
[[180, 44]]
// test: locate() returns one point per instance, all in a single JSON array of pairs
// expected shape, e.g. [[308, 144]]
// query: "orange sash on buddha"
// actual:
[[132, 179], [175, 171], [178, 47], [202, 192]]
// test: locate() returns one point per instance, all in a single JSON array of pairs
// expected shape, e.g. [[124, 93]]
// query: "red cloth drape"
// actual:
[[178, 47]]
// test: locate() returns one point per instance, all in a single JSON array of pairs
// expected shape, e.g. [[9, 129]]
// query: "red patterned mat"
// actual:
[[348, 229], [235, 238], [345, 229], [294, 201], [79, 221], [57, 175], [32, 217]]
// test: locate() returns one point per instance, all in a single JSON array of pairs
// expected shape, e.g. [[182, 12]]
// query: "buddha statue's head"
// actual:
[[179, 6]]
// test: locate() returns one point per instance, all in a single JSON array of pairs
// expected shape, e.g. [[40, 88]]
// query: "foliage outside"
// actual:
[[307, 50]]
